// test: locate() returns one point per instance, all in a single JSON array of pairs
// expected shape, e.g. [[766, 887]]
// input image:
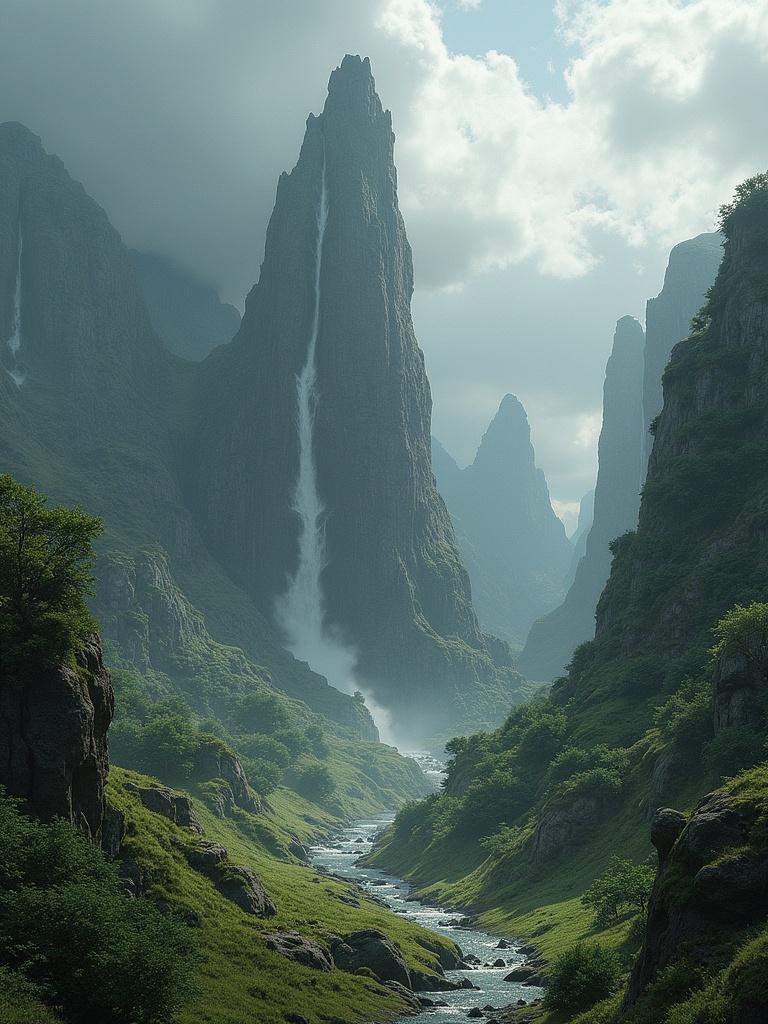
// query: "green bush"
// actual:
[[622, 886], [67, 927], [685, 719], [314, 781], [734, 750], [582, 976], [46, 556]]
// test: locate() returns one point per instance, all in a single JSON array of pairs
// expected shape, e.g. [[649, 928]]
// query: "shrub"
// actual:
[[733, 750], [67, 927], [623, 885], [582, 976], [685, 719], [46, 556], [313, 781]]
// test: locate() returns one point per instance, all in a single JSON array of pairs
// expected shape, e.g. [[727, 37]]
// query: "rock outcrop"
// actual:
[[513, 544], [414, 631], [712, 882], [301, 950], [372, 949], [237, 883], [53, 739], [186, 314], [690, 272], [553, 640]]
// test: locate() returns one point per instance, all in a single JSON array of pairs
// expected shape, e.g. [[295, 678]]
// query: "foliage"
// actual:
[[744, 630], [45, 576], [623, 885], [685, 718], [733, 750], [754, 187], [21, 1002], [67, 927], [314, 781], [582, 976]]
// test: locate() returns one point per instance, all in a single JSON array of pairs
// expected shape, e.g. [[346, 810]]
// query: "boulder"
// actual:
[[112, 831], [239, 884], [175, 806], [300, 950], [666, 826], [520, 974], [371, 948]]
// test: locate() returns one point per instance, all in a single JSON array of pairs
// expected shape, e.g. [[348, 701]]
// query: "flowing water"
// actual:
[[17, 373], [340, 856], [301, 609]]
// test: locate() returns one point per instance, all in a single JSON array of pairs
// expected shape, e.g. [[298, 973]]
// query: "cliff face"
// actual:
[[690, 272], [699, 547], [711, 883], [53, 740], [393, 583], [187, 314], [94, 411], [513, 544], [553, 640], [579, 538]]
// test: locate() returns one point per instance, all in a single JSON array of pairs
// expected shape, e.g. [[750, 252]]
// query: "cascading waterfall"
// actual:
[[301, 609], [16, 372]]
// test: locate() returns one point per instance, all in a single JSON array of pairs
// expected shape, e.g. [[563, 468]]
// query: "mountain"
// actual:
[[664, 709], [690, 272], [513, 544], [186, 314], [552, 641], [92, 410], [580, 534], [323, 407]]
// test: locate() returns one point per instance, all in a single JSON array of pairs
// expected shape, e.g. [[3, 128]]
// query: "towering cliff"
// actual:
[[553, 640], [690, 272], [394, 589], [579, 538], [94, 411], [186, 314], [510, 539]]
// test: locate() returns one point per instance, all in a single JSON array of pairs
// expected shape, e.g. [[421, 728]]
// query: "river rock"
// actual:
[[520, 974]]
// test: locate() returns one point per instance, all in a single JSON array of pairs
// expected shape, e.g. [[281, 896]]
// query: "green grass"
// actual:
[[239, 978]]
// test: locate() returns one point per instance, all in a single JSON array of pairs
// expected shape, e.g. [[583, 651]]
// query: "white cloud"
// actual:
[[665, 115]]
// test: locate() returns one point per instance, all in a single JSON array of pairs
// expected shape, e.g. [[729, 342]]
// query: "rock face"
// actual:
[[237, 883], [690, 272], [301, 950], [553, 640], [186, 314], [694, 556], [53, 740], [100, 419], [393, 583], [712, 881], [371, 948], [513, 544]]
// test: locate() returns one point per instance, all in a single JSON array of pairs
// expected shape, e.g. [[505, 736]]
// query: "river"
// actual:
[[341, 855]]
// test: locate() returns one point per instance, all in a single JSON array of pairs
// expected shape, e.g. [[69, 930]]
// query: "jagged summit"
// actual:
[[337, 279], [513, 544]]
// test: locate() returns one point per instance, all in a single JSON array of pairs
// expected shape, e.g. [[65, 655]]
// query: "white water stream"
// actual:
[[17, 373], [341, 855]]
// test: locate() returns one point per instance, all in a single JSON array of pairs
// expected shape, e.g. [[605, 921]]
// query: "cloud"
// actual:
[[179, 116]]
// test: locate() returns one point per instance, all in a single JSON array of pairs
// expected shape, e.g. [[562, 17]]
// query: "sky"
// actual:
[[549, 155]]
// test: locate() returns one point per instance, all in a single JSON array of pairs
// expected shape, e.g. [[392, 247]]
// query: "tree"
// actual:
[[624, 885], [581, 977], [67, 927], [744, 630], [46, 557]]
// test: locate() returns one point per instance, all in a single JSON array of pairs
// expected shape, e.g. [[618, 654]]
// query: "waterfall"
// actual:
[[17, 373], [301, 609]]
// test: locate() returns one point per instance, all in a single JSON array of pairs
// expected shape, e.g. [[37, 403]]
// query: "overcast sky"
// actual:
[[549, 155]]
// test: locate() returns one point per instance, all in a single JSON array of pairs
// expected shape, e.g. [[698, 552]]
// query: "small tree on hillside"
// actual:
[[624, 885], [581, 977], [46, 557]]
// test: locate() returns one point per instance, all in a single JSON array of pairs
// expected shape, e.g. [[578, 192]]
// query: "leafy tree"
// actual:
[[581, 977], [314, 781], [67, 928], [46, 557], [685, 719], [744, 630], [734, 750], [623, 885], [317, 741]]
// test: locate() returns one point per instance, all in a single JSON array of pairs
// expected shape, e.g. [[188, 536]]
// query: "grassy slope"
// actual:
[[239, 978]]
